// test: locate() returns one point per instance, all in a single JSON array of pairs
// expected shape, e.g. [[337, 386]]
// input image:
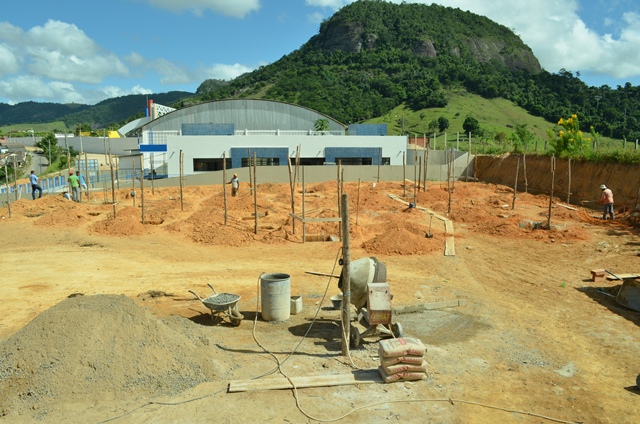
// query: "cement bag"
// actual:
[[413, 360], [401, 376], [400, 368], [391, 348]]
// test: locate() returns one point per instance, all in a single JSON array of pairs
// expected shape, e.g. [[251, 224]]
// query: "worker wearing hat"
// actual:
[[607, 200], [74, 183], [235, 185]]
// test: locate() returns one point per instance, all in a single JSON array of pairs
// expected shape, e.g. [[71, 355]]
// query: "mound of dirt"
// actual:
[[403, 238], [128, 222], [91, 348]]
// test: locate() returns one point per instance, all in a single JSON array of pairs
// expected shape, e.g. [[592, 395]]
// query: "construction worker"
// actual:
[[607, 200], [235, 185]]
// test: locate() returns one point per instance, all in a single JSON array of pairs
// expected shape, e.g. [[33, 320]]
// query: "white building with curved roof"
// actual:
[[271, 131]]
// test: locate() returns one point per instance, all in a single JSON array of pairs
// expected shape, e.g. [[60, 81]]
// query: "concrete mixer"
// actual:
[[371, 296]]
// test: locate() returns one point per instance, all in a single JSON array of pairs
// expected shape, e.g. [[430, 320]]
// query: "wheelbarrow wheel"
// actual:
[[397, 330], [235, 317], [355, 338]]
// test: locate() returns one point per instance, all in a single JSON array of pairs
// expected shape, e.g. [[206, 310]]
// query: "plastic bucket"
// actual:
[[275, 292]]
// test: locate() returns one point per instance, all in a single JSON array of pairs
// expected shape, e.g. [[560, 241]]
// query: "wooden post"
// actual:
[[380, 162], [404, 176], [292, 188], [358, 202], [6, 177], [425, 154], [15, 177], [569, 184], [468, 161], [457, 141], [553, 179], [224, 184], [524, 164], [249, 163], [449, 190], [133, 180], [435, 141], [142, 184], [426, 164], [346, 278], [255, 190], [181, 182], [118, 172], [515, 186], [415, 176], [453, 171], [87, 180], [304, 224], [419, 172], [113, 183], [153, 176], [338, 181]]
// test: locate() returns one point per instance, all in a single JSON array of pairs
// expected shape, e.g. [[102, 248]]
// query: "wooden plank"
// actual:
[[278, 383], [323, 274], [294, 216], [448, 227], [449, 246], [429, 306], [565, 206], [622, 276]]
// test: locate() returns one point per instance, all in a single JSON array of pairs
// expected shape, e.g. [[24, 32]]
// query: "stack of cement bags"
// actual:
[[402, 359]]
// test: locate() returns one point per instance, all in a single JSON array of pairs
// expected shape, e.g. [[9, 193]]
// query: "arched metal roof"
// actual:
[[249, 114]]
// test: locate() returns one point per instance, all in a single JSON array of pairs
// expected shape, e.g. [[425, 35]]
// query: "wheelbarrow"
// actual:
[[221, 305]]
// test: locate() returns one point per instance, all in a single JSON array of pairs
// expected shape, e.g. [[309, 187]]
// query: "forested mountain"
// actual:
[[114, 111], [373, 55]]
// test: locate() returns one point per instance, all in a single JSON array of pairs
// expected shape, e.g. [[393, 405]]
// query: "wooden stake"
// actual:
[[404, 177], [553, 179], [358, 202], [113, 185], [569, 184], [249, 163], [515, 186], [419, 172], [6, 177], [291, 187], [86, 176], [118, 173], [379, 162], [224, 184], [338, 181], [304, 224], [346, 277], [133, 180], [181, 181], [415, 176], [142, 184], [524, 164], [255, 189], [15, 177], [448, 156], [425, 155]]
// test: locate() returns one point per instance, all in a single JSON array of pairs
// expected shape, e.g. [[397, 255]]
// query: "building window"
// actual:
[[308, 161], [261, 162], [354, 161], [208, 165]]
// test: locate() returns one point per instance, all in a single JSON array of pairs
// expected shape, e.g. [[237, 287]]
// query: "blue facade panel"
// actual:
[[150, 148], [331, 153], [208, 129], [239, 153], [368, 129]]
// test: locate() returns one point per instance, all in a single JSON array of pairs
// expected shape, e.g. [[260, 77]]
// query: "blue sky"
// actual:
[[85, 51]]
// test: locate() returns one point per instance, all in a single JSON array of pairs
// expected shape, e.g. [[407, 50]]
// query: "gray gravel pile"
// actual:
[[91, 348]]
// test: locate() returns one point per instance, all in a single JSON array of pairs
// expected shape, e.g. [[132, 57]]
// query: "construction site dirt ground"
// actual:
[[98, 324]]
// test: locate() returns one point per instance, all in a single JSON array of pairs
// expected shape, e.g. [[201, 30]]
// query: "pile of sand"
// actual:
[[93, 348]]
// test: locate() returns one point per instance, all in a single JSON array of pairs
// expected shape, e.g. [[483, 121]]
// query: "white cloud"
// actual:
[[29, 87], [8, 61], [235, 8], [222, 72], [333, 4]]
